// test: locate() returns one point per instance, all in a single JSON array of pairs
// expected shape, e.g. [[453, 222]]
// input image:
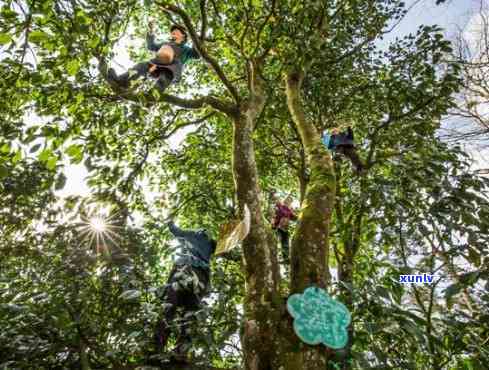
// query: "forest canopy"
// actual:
[[81, 277]]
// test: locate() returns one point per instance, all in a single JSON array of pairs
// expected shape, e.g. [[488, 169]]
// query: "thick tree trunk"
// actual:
[[309, 249], [262, 301], [310, 242], [260, 259], [303, 177]]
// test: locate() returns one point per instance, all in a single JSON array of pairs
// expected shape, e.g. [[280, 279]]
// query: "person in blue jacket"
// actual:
[[187, 285], [343, 143], [167, 65]]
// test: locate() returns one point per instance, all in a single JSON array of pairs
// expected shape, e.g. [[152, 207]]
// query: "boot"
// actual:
[[180, 353], [122, 80]]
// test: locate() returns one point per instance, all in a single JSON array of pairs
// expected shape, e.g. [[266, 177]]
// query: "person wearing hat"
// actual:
[[167, 65], [187, 285]]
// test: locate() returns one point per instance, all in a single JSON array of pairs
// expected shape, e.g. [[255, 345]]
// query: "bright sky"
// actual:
[[453, 16]]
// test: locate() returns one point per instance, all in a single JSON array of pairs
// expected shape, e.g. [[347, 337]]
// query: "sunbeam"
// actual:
[[98, 224], [98, 231]]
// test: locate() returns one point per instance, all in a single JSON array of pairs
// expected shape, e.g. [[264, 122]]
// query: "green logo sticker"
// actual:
[[318, 318]]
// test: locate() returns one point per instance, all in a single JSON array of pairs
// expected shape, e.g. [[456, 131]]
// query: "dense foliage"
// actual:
[[71, 300]]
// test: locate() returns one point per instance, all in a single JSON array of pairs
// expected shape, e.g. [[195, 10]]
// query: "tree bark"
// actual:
[[309, 248], [262, 300]]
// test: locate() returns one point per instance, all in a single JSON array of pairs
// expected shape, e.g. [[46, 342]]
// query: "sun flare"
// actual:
[[98, 224], [99, 231]]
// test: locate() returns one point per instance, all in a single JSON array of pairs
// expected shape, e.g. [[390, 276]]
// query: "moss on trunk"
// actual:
[[309, 247], [262, 300]]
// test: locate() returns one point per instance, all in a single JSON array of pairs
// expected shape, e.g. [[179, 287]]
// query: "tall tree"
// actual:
[[273, 76]]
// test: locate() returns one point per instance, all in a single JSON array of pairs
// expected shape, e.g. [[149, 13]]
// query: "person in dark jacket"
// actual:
[[187, 285], [280, 223], [167, 65], [343, 143]]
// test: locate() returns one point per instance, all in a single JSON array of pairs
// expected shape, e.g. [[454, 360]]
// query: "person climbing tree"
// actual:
[[343, 143], [167, 65], [280, 222], [187, 285]]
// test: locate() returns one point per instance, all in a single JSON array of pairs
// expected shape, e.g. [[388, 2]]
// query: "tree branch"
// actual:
[[223, 106], [199, 46], [203, 14], [391, 120]]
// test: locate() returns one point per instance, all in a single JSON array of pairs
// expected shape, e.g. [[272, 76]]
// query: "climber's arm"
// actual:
[[151, 42], [179, 233]]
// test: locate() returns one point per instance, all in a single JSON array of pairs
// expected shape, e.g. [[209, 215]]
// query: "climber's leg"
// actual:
[[164, 80], [170, 302], [284, 242], [137, 71], [191, 303], [351, 153]]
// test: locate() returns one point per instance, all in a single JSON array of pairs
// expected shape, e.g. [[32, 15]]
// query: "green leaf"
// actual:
[[35, 148], [447, 48], [60, 182], [75, 152], [72, 67], [474, 257], [3, 172], [468, 364], [383, 292], [17, 157], [453, 290], [413, 329], [51, 163], [92, 43], [45, 155], [37, 36], [469, 278], [5, 148], [88, 164], [5, 38], [134, 334], [129, 295]]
